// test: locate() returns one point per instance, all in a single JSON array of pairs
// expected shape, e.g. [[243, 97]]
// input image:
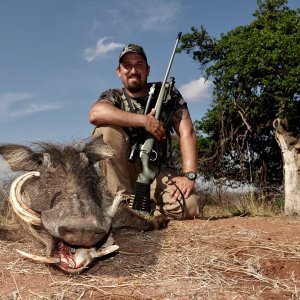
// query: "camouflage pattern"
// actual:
[[133, 48], [118, 99]]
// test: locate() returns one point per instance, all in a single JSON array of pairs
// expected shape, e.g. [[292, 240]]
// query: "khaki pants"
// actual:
[[121, 176]]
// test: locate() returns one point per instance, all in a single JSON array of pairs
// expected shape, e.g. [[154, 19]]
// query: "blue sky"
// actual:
[[57, 57]]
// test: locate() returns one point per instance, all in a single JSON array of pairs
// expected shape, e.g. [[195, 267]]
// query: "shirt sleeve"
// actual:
[[179, 99], [112, 96]]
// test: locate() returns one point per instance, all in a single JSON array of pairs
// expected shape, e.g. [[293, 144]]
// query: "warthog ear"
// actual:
[[97, 150], [20, 158]]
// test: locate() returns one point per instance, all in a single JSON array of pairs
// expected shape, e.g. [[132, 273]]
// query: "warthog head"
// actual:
[[61, 198]]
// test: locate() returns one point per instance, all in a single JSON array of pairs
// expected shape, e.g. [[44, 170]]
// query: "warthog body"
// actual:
[[61, 198]]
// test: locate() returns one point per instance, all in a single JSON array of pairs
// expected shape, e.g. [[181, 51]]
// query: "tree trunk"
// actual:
[[290, 149]]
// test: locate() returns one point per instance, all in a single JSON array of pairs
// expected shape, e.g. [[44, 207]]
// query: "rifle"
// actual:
[[138, 133], [140, 199]]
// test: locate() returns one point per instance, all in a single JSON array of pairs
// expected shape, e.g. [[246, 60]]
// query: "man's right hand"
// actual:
[[154, 126]]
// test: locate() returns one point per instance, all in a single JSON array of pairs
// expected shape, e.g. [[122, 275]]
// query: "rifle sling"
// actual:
[[127, 98]]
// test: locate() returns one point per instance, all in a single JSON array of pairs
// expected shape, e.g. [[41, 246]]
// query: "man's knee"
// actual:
[[186, 209], [116, 137], [193, 207]]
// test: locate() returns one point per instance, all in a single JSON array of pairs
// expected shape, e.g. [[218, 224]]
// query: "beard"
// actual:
[[134, 86]]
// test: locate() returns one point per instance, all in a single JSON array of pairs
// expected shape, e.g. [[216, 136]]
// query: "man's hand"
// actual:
[[183, 184], [154, 126]]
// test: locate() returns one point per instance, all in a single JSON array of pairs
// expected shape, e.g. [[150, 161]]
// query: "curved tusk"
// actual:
[[103, 251], [19, 207], [115, 205], [42, 259]]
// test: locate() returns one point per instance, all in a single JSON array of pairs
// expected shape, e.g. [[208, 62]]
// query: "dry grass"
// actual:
[[232, 205], [190, 260]]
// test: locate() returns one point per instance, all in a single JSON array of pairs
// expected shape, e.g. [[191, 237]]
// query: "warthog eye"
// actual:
[[55, 199]]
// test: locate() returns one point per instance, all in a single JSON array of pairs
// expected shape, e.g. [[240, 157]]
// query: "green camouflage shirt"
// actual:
[[137, 105]]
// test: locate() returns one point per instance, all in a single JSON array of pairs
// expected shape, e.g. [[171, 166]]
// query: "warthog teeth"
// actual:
[[43, 259]]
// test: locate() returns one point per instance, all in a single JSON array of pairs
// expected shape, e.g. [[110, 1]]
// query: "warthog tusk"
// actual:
[[42, 259], [115, 205], [19, 207], [72, 263], [104, 251]]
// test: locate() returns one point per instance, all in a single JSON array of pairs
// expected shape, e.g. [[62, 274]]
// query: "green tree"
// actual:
[[256, 74]]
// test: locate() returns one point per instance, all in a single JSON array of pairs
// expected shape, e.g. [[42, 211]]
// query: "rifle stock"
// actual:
[[140, 199]]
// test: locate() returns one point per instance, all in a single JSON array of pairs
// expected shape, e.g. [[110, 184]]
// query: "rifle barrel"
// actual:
[[161, 95]]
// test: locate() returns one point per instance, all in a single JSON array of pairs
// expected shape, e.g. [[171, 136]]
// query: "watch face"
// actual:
[[191, 175]]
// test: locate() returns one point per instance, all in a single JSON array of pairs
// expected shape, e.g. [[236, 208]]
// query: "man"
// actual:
[[118, 114]]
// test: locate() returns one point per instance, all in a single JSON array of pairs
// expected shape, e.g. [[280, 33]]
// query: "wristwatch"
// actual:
[[190, 175]]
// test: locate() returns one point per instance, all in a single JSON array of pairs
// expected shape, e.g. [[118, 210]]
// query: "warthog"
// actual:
[[61, 198]]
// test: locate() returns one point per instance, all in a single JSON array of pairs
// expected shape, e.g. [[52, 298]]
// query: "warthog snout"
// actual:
[[76, 230], [84, 235]]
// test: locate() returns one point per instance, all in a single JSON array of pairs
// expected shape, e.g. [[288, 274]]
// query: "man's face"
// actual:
[[133, 71]]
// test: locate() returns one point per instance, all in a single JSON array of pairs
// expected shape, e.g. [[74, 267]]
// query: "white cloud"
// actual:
[[14, 105], [158, 15], [101, 49], [10, 99], [32, 108], [198, 90], [131, 17]]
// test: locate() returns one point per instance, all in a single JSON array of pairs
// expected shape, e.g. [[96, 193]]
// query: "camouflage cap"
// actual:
[[132, 48]]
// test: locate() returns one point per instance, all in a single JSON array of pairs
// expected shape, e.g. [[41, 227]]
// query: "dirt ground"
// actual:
[[235, 258]]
